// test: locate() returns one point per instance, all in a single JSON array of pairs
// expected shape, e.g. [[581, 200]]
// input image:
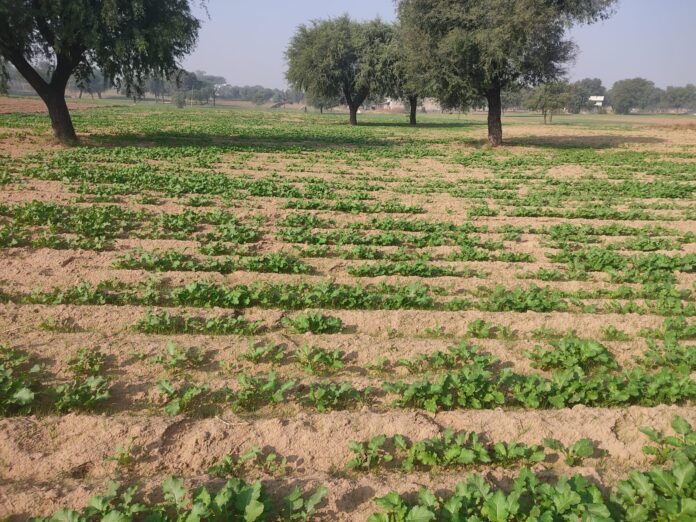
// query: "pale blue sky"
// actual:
[[244, 40]]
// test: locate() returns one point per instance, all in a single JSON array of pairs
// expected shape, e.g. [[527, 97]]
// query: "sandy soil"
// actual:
[[14, 105]]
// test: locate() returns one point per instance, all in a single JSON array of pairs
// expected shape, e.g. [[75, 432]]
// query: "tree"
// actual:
[[481, 47], [214, 83], [158, 87], [549, 98], [580, 93], [127, 39], [514, 98], [189, 87], [4, 77], [634, 93], [96, 83], [322, 103], [338, 57], [680, 98], [410, 77]]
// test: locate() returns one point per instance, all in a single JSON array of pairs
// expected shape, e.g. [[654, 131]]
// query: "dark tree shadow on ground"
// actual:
[[236, 143], [580, 142], [304, 141], [429, 125]]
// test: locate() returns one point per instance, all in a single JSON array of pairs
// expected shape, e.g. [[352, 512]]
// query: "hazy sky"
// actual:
[[244, 40]]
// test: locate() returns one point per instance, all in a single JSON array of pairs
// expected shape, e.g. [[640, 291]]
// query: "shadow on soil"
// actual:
[[266, 144], [464, 124], [580, 142], [351, 138]]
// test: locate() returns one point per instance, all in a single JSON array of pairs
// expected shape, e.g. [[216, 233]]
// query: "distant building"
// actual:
[[598, 101]]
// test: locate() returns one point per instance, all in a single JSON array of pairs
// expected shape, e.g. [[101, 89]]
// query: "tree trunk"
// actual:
[[495, 124], [60, 116], [545, 116], [354, 101], [413, 102], [353, 114], [321, 109], [52, 93]]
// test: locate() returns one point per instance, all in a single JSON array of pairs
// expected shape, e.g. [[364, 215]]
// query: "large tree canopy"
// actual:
[[410, 78], [549, 98], [580, 94], [634, 93], [126, 39], [480, 47], [340, 58]]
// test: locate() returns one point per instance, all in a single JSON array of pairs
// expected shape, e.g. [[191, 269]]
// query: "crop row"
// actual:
[[663, 300], [664, 492], [581, 372]]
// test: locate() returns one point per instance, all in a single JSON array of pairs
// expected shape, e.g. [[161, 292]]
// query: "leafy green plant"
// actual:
[[475, 499], [611, 333], [314, 322], [513, 453], [574, 454], [571, 352], [446, 450], [182, 399], [264, 352], [64, 325], [79, 395], [297, 507], [333, 396], [255, 391], [472, 386], [380, 365], [668, 354], [86, 362], [315, 360], [677, 328], [166, 324], [545, 333], [17, 380], [480, 329], [679, 447], [176, 360], [455, 357], [124, 454], [367, 455], [231, 466]]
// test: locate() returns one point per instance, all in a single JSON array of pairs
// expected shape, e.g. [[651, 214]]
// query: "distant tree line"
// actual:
[[259, 94], [92, 85], [624, 97], [183, 87]]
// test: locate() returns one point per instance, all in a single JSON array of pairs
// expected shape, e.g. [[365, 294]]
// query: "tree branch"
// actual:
[[43, 26], [25, 69]]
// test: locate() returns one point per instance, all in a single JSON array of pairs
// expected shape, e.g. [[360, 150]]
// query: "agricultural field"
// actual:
[[314, 321]]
